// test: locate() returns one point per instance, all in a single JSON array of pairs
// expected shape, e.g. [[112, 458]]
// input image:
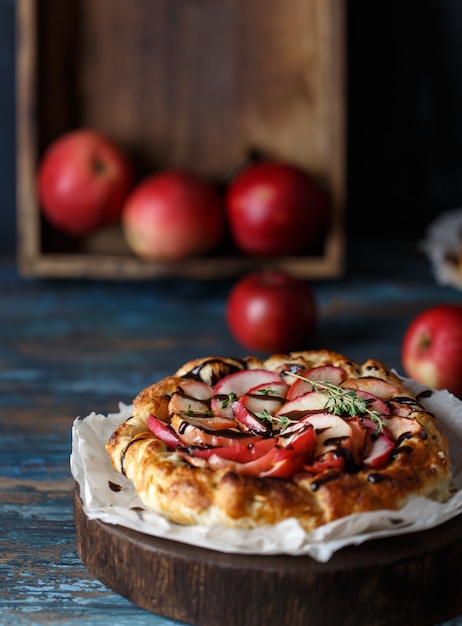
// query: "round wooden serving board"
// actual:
[[413, 579]]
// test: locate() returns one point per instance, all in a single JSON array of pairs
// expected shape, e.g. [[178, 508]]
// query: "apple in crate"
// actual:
[[83, 179], [171, 215], [271, 311], [275, 208], [431, 351]]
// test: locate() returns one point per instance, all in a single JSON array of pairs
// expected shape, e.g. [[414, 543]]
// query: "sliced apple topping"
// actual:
[[233, 457], [248, 420], [402, 427], [380, 452], [278, 462], [403, 406], [295, 409], [235, 385], [360, 442], [375, 386], [323, 373], [254, 423], [331, 432], [346, 401], [255, 409], [373, 403], [191, 398], [194, 433], [164, 432], [240, 452]]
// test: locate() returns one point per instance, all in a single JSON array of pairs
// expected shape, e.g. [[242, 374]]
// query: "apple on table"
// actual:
[[82, 180], [271, 311], [431, 351]]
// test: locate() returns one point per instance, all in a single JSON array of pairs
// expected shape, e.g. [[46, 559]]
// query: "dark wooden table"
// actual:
[[70, 347]]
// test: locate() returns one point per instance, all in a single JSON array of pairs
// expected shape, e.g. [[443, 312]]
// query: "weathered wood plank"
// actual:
[[68, 348]]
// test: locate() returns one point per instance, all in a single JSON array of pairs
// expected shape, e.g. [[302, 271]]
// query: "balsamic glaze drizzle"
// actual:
[[400, 450], [122, 456], [426, 393], [376, 478], [327, 478], [181, 392], [225, 432], [228, 367]]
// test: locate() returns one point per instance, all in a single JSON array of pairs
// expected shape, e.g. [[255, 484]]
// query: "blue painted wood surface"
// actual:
[[70, 347]]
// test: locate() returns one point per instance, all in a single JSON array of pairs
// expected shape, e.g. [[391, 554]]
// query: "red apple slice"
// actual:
[[278, 462], [253, 468], [259, 401], [292, 458], [399, 426], [403, 409], [332, 460], [375, 386], [340, 442], [211, 423], [197, 389], [235, 385], [373, 427], [194, 433], [331, 432], [310, 402], [360, 441], [240, 453], [163, 432], [248, 420], [323, 373], [380, 452], [294, 436], [191, 398], [268, 396], [373, 402]]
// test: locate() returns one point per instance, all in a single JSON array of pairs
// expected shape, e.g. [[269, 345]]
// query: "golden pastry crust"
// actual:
[[178, 483]]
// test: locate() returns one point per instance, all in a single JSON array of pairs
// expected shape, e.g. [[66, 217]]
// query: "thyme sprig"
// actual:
[[282, 422], [343, 402], [206, 413], [231, 397], [267, 391]]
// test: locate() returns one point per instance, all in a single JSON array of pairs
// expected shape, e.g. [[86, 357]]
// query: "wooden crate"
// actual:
[[198, 84]]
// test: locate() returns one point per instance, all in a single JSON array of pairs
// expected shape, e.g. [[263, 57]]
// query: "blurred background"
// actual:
[[404, 154]]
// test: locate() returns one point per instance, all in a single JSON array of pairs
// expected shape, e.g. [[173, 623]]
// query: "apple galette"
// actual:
[[311, 435]]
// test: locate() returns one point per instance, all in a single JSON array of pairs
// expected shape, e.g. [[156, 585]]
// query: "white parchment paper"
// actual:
[[443, 241], [92, 469]]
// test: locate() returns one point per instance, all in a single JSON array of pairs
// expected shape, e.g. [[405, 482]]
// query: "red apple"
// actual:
[[83, 180], [431, 351], [275, 208], [271, 311], [172, 215]]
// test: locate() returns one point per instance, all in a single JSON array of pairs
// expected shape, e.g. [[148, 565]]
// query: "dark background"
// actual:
[[7, 130], [404, 159]]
